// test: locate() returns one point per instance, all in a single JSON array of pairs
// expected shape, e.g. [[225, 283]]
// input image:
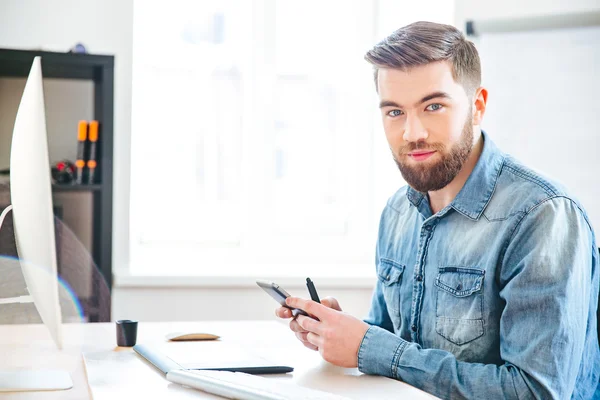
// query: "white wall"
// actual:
[[484, 10], [220, 303]]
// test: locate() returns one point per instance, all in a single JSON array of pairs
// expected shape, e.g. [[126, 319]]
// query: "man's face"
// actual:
[[427, 118]]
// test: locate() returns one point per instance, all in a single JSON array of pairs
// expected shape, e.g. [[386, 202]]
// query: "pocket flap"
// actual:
[[389, 271], [459, 281]]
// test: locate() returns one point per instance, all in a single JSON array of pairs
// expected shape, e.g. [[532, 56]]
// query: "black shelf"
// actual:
[[17, 63], [65, 187], [100, 70]]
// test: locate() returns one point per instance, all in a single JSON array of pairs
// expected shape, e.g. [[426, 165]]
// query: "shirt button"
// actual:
[[413, 328], [419, 278]]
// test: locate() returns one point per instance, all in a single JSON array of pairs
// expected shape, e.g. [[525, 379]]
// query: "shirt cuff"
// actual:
[[379, 352]]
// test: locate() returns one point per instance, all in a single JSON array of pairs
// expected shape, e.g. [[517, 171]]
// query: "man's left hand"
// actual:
[[337, 335]]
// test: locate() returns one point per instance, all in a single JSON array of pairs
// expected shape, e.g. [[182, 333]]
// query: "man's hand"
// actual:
[[300, 332], [336, 335]]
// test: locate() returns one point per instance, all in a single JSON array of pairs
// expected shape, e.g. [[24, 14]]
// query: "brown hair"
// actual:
[[422, 43]]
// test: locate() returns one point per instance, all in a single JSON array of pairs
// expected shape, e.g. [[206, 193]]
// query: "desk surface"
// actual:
[[117, 370]]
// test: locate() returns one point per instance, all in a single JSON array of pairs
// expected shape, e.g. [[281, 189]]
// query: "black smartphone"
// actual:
[[279, 294]]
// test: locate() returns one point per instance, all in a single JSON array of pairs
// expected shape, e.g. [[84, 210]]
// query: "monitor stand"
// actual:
[[27, 380], [21, 380]]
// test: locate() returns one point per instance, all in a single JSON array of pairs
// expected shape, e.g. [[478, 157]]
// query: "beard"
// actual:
[[426, 177]]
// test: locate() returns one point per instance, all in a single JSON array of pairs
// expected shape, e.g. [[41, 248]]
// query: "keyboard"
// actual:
[[238, 385]]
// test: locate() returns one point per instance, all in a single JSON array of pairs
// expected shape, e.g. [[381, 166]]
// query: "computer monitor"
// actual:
[[33, 220]]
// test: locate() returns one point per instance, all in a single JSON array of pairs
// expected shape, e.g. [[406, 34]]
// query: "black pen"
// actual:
[[311, 289]]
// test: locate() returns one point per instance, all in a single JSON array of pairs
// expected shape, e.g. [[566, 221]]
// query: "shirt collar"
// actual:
[[479, 187]]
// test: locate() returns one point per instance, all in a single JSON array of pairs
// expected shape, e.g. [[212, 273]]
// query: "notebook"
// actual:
[[208, 356]]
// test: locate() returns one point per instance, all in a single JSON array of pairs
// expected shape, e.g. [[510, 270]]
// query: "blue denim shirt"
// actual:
[[492, 297]]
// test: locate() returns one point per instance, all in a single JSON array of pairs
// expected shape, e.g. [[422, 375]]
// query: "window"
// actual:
[[254, 144]]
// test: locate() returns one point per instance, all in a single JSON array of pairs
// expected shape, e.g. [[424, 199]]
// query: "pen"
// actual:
[[311, 289]]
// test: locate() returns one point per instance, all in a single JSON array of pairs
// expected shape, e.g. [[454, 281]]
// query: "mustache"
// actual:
[[420, 145]]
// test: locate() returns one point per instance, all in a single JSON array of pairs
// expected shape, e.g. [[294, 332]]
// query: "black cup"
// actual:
[[126, 332]]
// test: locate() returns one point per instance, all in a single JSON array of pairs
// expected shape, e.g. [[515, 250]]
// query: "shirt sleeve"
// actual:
[[546, 282]]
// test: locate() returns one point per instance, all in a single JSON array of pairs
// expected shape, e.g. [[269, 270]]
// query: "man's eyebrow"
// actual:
[[434, 95], [389, 103]]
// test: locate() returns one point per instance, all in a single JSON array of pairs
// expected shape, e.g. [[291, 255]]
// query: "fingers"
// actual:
[[311, 307], [295, 326], [314, 339], [310, 346], [331, 303], [283, 312], [303, 337], [309, 324]]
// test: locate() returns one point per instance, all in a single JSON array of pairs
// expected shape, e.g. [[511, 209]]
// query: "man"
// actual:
[[487, 272]]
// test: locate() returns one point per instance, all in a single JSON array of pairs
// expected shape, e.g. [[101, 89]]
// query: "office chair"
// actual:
[[75, 268]]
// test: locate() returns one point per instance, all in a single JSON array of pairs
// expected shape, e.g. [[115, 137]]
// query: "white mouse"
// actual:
[[182, 336]]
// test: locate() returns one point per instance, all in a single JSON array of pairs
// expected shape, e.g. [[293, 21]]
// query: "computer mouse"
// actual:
[[182, 336]]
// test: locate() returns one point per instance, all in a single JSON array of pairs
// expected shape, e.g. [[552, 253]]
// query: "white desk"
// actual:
[[120, 372]]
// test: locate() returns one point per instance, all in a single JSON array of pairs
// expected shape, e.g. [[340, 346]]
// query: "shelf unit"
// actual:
[[77, 188], [100, 70]]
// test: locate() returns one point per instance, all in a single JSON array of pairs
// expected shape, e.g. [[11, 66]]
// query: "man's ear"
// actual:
[[479, 104]]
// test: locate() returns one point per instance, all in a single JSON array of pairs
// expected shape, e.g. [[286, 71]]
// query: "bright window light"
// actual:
[[256, 145]]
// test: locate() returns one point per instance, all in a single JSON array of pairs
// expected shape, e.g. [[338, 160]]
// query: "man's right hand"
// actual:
[[285, 313]]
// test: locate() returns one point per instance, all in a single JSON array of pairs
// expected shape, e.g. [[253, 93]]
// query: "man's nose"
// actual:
[[414, 129]]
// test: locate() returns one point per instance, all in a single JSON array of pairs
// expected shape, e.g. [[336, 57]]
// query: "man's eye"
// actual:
[[395, 113], [434, 107]]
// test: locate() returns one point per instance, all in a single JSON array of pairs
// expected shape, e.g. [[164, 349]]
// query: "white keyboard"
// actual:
[[238, 385]]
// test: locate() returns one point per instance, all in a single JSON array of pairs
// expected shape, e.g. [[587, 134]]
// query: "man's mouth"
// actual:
[[421, 155]]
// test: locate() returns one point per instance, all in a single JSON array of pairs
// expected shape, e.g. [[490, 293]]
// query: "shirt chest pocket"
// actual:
[[459, 304], [390, 275]]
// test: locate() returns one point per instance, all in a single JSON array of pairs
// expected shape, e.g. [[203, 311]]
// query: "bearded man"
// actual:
[[487, 271]]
